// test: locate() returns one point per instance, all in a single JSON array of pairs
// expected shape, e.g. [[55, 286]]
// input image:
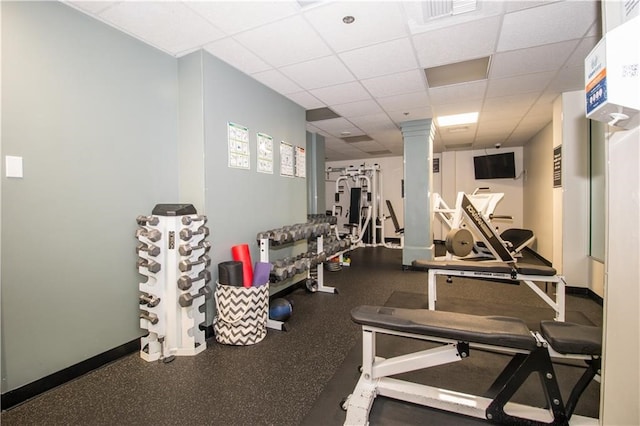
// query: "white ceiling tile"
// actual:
[[278, 82], [392, 137], [396, 84], [356, 109], [404, 102], [515, 5], [411, 114], [471, 40], [237, 56], [496, 125], [380, 59], [306, 100], [279, 48], [368, 146], [92, 6], [459, 107], [341, 94], [508, 106], [170, 26], [321, 72], [335, 126], [373, 122], [582, 51], [455, 141], [236, 16], [546, 24], [520, 84], [532, 60], [375, 22], [447, 94], [535, 120], [568, 79]]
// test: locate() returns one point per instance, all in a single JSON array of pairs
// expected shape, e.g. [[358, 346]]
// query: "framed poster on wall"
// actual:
[[238, 146], [265, 153], [286, 159]]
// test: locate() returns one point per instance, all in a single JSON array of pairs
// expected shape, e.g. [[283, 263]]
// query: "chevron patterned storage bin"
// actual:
[[242, 314]]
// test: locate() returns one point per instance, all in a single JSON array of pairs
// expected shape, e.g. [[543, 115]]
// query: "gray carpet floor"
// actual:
[[283, 380]]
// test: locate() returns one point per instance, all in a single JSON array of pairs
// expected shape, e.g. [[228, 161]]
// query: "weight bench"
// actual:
[[457, 334], [497, 271]]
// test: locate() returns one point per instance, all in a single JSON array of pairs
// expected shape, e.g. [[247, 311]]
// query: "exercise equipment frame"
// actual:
[[497, 271], [495, 406]]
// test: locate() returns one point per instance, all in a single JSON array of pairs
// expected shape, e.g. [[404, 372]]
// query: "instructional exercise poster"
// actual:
[[239, 154], [286, 159], [301, 162], [265, 153]]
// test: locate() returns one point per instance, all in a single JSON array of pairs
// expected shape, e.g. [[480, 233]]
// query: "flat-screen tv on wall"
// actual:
[[495, 166]]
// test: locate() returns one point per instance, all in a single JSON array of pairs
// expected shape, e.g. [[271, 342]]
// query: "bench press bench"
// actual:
[[505, 272], [458, 334]]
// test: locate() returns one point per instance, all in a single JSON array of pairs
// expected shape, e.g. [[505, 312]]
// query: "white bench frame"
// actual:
[[375, 381], [558, 305]]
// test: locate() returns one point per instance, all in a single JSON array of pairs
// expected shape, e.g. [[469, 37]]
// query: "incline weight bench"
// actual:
[[501, 271], [457, 335]]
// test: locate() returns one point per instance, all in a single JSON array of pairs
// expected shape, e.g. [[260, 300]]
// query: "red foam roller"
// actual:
[[241, 253]]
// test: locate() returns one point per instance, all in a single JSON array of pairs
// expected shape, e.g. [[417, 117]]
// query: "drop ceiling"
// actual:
[[371, 72]]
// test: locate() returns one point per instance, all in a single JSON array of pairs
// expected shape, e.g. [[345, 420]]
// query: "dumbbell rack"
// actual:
[[172, 255], [310, 262]]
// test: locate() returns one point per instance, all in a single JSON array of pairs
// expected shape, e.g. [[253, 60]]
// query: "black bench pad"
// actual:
[[569, 338], [490, 330], [491, 267]]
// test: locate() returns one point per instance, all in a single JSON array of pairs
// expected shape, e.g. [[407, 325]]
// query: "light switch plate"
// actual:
[[13, 166]]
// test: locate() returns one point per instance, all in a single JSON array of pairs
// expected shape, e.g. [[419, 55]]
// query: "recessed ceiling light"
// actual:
[[457, 119], [348, 19], [345, 133]]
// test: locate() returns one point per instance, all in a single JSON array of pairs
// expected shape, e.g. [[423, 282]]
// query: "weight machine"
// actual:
[[365, 218], [479, 239]]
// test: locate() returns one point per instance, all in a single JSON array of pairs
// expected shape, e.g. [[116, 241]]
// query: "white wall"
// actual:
[[571, 201], [457, 174], [621, 380], [392, 172], [537, 190]]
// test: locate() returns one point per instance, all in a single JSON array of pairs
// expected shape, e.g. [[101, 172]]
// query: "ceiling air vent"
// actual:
[[353, 139], [383, 152], [320, 114], [453, 147], [442, 8]]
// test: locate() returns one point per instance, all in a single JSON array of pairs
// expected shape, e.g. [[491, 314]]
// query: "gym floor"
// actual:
[[279, 381]]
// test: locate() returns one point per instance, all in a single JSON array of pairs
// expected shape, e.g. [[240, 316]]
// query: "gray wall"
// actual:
[[240, 203], [108, 127], [93, 113], [316, 175]]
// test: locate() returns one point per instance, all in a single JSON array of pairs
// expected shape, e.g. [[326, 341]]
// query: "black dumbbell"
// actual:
[[186, 249], [152, 318], [151, 234], [186, 265], [185, 282], [186, 299], [188, 220], [151, 249], [147, 220], [149, 300], [186, 233], [151, 265]]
